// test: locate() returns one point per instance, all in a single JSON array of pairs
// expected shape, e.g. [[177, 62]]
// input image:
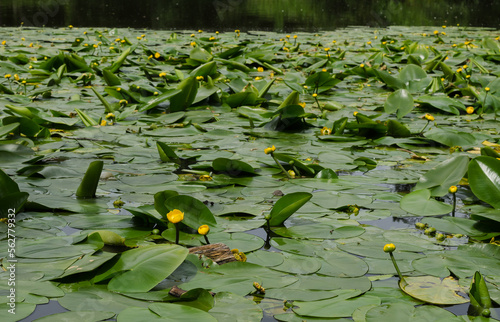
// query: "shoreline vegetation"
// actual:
[[310, 155]]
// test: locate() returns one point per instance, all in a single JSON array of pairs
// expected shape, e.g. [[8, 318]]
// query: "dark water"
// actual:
[[224, 15]]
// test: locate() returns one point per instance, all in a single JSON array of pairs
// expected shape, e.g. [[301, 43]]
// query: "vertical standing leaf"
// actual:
[[484, 179], [400, 102], [160, 198], [107, 106], [287, 205], [11, 198], [479, 296], [87, 120], [110, 78], [441, 177], [184, 99], [119, 61], [90, 180], [196, 213], [166, 153]]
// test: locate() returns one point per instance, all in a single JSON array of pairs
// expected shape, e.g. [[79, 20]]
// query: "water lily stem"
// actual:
[[454, 204], [317, 102], [279, 165], [296, 171], [396, 266], [206, 239], [421, 132], [177, 233]]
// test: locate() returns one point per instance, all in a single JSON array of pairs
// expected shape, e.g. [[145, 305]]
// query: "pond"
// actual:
[[224, 15], [310, 155]]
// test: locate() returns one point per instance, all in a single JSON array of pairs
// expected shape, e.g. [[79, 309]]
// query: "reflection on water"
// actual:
[[393, 222], [278, 15]]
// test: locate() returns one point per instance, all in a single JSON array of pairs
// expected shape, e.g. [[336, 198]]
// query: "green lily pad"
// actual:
[[433, 290], [420, 203], [139, 270], [343, 305], [407, 312]]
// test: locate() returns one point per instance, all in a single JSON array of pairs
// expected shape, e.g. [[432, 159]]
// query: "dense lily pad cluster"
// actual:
[[305, 153]]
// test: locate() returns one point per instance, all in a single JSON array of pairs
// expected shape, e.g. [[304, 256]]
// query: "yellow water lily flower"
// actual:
[[326, 131], [175, 216], [469, 110], [203, 229], [452, 189], [270, 150], [429, 117], [205, 177]]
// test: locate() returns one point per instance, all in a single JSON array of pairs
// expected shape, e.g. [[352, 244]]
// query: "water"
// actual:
[[228, 15]]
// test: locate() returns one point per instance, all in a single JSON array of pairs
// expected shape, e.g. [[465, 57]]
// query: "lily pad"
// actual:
[[433, 290]]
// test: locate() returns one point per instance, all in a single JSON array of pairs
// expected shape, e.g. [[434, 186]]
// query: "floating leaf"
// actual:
[[400, 311], [342, 305], [141, 269], [419, 202], [433, 290]]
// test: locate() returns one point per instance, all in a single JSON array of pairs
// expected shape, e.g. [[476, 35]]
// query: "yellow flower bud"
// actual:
[[429, 117], [270, 150], [203, 229], [389, 248], [487, 89], [469, 110], [175, 216], [452, 189]]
